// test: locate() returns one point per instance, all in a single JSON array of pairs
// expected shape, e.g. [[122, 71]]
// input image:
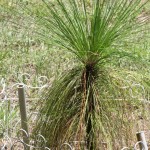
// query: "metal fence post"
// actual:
[[23, 113], [141, 137]]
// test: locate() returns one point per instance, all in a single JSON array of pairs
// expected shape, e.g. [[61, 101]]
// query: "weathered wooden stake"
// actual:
[[141, 137], [23, 113]]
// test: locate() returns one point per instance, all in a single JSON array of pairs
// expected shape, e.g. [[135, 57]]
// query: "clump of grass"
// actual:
[[7, 117]]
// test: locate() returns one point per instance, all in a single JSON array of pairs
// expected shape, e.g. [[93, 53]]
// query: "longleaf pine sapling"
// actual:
[[93, 101]]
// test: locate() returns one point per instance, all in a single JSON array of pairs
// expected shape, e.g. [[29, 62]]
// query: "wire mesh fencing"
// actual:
[[16, 111]]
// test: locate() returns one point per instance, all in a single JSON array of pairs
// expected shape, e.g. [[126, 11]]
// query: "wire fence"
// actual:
[[14, 130], [19, 144], [13, 133]]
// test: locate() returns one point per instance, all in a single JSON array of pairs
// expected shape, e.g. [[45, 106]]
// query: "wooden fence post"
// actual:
[[141, 137], [23, 113]]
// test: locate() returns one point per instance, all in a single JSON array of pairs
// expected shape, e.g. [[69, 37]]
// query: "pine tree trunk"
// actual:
[[89, 127], [89, 77]]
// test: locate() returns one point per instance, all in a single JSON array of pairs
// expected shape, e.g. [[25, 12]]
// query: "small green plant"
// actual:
[[3, 55], [7, 118]]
